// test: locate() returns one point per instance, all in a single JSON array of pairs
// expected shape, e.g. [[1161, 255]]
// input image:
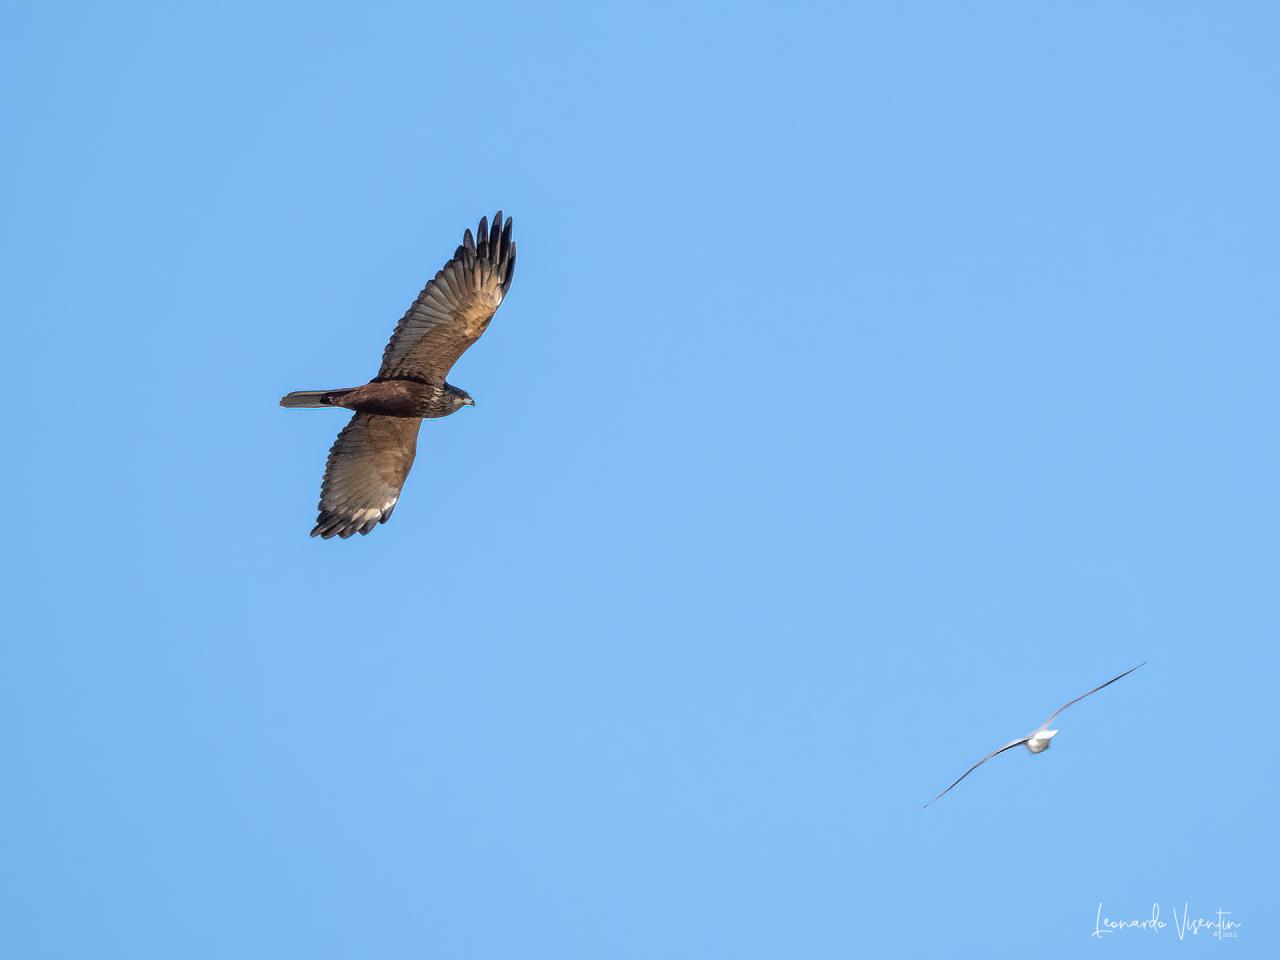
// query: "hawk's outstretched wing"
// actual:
[[367, 467], [454, 308]]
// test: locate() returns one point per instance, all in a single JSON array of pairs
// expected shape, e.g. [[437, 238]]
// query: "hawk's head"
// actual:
[[460, 398]]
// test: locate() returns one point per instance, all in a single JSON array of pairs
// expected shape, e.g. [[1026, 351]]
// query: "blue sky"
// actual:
[[875, 378]]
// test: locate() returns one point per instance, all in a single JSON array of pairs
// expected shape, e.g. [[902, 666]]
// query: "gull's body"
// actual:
[[1040, 739]]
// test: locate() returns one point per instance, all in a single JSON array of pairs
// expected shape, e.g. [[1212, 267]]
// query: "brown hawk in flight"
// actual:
[[370, 460]]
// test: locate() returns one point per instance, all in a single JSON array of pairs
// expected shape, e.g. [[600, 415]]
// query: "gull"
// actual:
[[1039, 740]]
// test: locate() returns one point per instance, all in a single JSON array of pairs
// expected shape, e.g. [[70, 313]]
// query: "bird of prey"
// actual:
[[370, 460], [1039, 740]]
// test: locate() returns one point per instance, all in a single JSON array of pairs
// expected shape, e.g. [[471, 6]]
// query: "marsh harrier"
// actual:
[[370, 460]]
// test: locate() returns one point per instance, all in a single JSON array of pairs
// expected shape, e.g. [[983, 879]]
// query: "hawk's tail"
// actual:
[[313, 398]]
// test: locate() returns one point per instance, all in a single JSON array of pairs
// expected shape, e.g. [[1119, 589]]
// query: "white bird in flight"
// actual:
[[1038, 740]]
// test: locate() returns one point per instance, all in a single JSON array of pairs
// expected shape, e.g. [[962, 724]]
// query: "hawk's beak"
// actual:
[[468, 402]]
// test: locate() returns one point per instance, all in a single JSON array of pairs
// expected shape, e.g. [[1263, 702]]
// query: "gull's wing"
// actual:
[[1008, 746], [1045, 725], [454, 308]]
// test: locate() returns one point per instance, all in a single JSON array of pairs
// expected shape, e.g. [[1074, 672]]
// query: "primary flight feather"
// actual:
[[371, 458]]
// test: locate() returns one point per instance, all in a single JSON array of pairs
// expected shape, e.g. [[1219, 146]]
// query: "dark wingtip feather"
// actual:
[[469, 241], [328, 525], [505, 244]]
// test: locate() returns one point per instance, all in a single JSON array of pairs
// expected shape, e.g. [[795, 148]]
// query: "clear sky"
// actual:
[[875, 378]]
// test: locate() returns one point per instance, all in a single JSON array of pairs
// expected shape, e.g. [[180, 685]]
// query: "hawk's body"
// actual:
[[387, 398], [370, 460]]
